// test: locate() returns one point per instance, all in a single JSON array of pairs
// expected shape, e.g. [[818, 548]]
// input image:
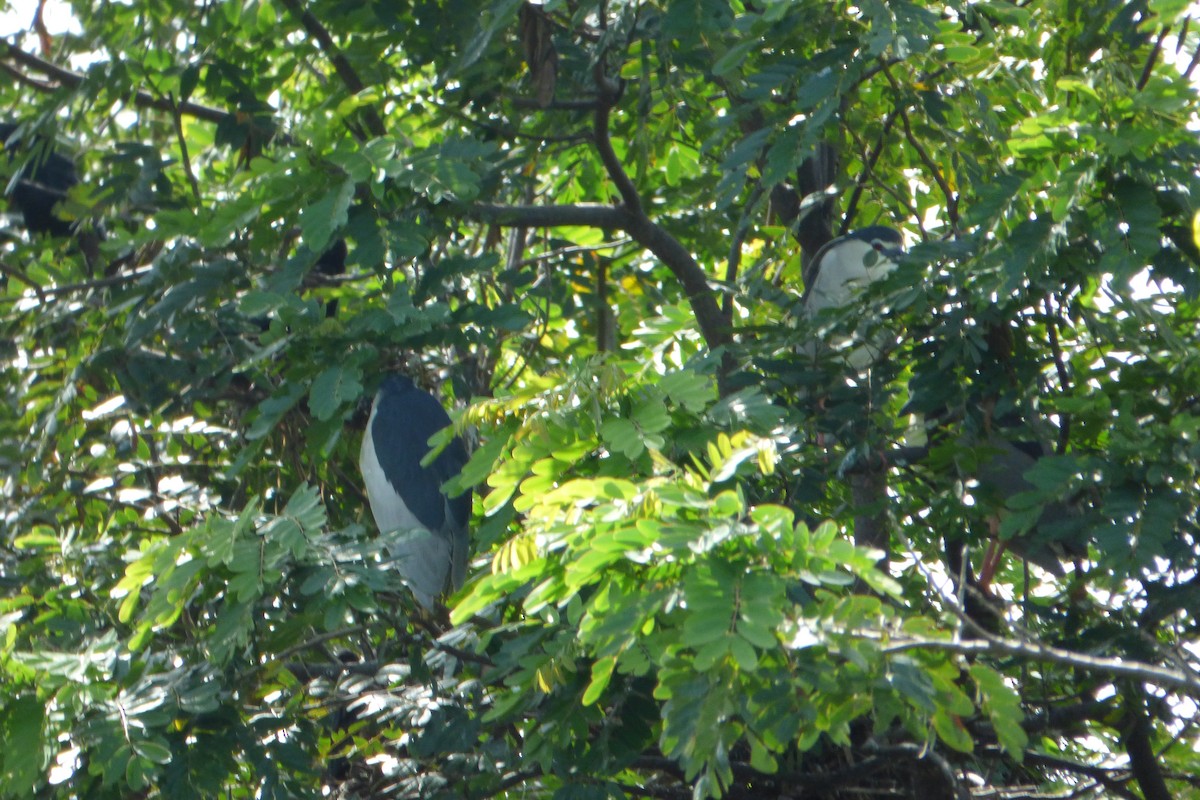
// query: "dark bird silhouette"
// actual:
[[43, 179], [41, 182], [333, 262], [1001, 475]]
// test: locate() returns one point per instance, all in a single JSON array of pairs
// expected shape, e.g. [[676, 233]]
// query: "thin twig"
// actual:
[[733, 264], [923, 154], [990, 644], [868, 169], [1060, 367]]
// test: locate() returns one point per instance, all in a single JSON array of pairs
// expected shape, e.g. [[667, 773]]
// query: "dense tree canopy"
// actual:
[[710, 558]]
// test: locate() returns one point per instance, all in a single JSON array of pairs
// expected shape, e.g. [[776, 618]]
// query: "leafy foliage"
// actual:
[[707, 560]]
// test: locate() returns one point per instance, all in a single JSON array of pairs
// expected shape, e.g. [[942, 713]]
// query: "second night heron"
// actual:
[[409, 499]]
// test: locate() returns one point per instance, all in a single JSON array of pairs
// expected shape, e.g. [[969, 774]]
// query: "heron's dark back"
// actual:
[[405, 418]]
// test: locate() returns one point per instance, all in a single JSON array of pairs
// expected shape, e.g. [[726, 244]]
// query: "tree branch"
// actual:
[[49, 293], [923, 154], [1135, 736], [603, 142], [341, 66], [645, 232], [1108, 777], [868, 169], [988, 644], [19, 275], [141, 99], [1148, 69], [685, 269], [734, 262], [648, 234], [591, 215]]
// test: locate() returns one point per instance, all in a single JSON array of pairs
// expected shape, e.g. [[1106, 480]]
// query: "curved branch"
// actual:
[[689, 274], [647, 233], [603, 142]]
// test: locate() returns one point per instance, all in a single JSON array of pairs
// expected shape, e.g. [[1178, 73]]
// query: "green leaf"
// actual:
[[951, 730], [623, 436], [152, 750], [271, 410], [319, 220], [335, 389], [21, 721], [733, 58], [602, 671]]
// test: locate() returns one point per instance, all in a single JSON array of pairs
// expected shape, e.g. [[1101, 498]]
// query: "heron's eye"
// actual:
[[878, 245]]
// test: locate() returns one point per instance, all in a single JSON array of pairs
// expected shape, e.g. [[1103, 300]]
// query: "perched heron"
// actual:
[[1000, 473], [843, 268], [409, 498], [40, 184]]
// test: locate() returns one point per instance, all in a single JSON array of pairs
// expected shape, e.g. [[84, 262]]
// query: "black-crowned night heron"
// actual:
[[40, 184], [842, 269], [1000, 469], [407, 498]]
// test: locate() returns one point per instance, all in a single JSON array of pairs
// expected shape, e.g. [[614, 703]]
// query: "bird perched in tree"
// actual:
[[1000, 473], [843, 268], [40, 184], [408, 498]]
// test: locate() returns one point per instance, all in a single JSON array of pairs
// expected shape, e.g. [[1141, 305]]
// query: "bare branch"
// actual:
[[664, 246], [988, 644]]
